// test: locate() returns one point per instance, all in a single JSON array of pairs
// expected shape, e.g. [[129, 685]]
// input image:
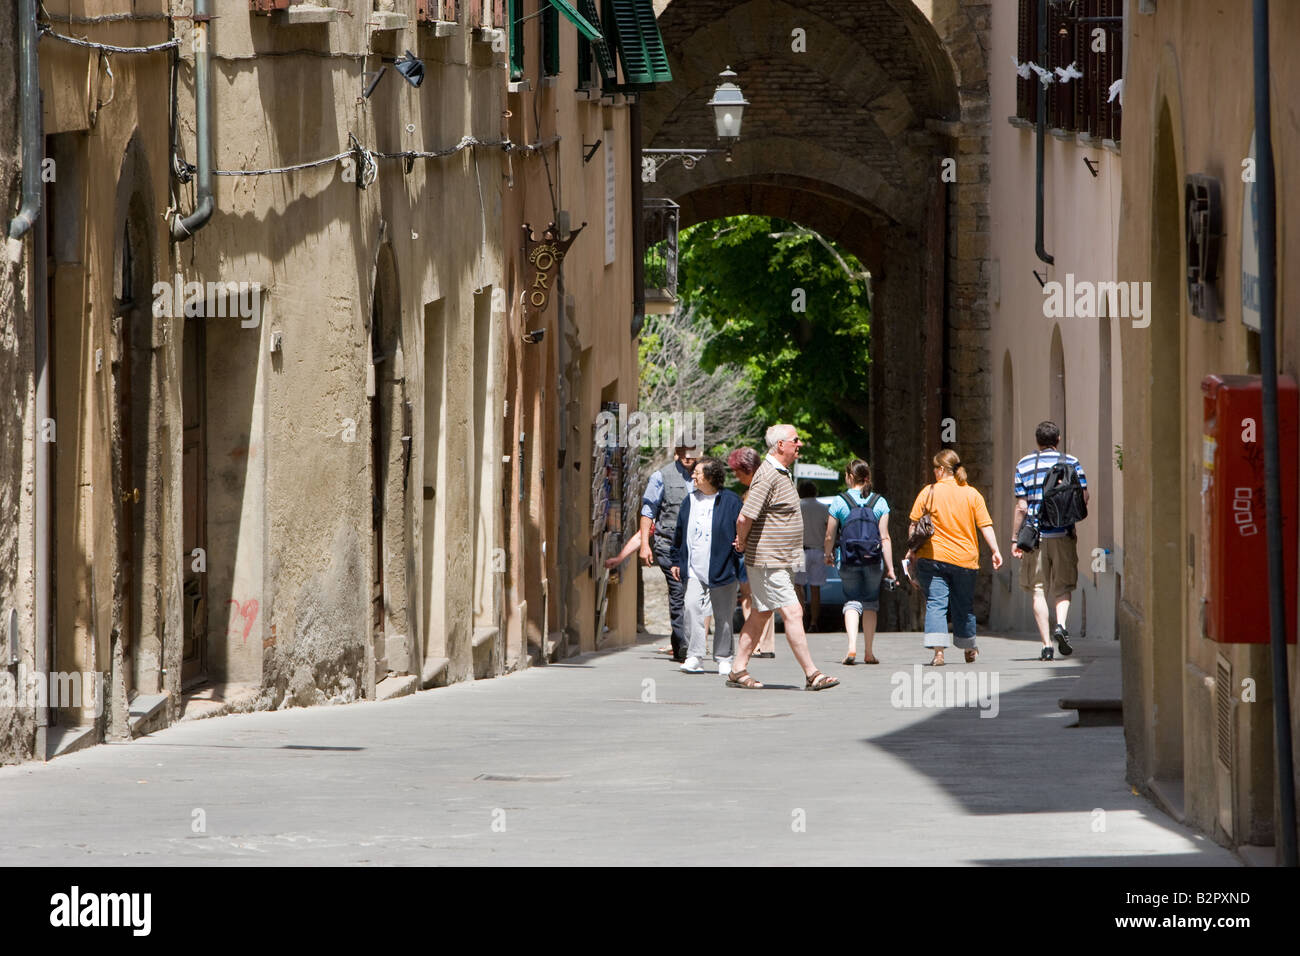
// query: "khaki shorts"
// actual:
[[1053, 567], [771, 589]]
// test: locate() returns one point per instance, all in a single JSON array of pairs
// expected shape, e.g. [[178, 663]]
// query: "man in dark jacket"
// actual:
[[664, 493], [703, 558]]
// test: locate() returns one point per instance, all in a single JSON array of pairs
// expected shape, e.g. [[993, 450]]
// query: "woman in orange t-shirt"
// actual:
[[945, 566]]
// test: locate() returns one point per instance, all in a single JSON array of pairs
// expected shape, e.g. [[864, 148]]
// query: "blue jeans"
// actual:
[[947, 586], [862, 586]]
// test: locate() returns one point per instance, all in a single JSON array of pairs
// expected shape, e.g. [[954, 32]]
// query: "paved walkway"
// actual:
[[570, 764]]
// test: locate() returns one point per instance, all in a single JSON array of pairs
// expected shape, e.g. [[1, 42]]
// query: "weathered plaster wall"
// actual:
[[17, 725], [1081, 232]]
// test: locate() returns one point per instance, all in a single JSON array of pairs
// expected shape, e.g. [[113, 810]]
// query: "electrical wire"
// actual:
[[466, 142], [46, 30]]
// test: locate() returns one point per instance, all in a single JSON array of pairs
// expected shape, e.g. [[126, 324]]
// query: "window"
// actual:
[[550, 39], [1088, 34], [598, 50], [434, 11]]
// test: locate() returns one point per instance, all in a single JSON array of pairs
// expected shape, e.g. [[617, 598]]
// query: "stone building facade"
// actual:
[[1060, 367], [1198, 741], [304, 453]]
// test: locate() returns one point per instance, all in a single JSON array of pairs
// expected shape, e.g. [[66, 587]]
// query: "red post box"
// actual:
[[1234, 555]]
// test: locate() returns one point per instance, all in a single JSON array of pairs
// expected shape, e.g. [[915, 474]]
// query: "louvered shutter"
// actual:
[[1114, 64], [604, 54], [1104, 79], [1027, 90], [640, 47]]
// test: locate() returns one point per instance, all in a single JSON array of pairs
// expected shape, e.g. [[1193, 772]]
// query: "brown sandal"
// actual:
[[743, 679], [819, 681], [971, 654]]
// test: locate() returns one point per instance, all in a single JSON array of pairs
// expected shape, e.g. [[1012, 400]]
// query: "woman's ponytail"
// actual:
[[947, 460]]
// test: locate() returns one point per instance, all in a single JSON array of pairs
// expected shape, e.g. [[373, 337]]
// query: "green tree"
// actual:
[[793, 310]]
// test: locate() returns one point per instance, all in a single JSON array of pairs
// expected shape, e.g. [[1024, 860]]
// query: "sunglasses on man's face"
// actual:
[[796, 440]]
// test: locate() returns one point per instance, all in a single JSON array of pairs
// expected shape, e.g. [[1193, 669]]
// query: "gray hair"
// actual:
[[775, 434]]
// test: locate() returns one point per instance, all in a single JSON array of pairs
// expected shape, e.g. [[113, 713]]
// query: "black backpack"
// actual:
[[860, 536], [1063, 503]]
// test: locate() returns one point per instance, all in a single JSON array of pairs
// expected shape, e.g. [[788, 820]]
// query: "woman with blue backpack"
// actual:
[[860, 519]]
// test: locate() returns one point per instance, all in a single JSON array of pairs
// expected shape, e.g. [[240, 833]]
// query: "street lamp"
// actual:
[[728, 105]]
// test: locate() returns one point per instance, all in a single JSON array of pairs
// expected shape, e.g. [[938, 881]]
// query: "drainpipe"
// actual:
[[1267, 211], [638, 226], [1040, 128], [29, 93], [182, 227], [41, 493]]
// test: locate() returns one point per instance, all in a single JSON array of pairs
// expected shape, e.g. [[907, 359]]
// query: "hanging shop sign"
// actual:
[[544, 256]]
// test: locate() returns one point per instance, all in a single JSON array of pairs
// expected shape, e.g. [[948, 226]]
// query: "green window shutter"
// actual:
[[640, 47], [604, 52], [587, 28], [516, 28], [550, 40]]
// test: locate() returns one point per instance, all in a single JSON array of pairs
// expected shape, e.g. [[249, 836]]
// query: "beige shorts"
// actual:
[[771, 589], [1053, 567]]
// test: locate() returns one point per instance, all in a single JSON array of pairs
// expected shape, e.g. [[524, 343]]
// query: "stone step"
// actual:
[[66, 740], [399, 685], [147, 713], [484, 643], [1099, 694], [435, 672]]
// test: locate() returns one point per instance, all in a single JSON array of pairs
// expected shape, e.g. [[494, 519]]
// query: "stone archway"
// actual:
[[854, 109]]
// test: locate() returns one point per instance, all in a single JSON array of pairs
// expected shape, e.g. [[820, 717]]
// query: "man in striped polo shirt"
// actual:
[[1050, 572], [770, 533]]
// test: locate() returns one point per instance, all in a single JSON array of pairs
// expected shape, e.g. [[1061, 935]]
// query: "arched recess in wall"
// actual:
[[137, 437], [392, 626], [1056, 386], [1167, 518]]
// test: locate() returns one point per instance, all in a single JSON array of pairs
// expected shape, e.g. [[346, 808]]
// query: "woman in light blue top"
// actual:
[[860, 519]]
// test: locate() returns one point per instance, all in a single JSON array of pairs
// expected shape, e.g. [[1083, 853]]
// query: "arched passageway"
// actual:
[[867, 122]]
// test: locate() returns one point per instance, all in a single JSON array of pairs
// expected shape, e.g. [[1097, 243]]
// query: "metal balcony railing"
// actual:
[[659, 219]]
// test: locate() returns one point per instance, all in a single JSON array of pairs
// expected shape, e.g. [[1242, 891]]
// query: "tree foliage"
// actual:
[[793, 310], [674, 382]]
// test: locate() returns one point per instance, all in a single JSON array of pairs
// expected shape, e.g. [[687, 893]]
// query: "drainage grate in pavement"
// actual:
[[524, 777], [745, 716]]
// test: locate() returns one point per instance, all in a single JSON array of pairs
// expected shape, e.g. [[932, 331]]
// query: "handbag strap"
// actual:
[[1040, 488]]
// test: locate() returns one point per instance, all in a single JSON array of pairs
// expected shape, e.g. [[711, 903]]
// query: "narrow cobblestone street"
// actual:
[[567, 764]]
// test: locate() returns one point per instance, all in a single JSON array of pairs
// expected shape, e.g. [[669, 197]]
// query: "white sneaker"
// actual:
[[724, 666], [692, 666]]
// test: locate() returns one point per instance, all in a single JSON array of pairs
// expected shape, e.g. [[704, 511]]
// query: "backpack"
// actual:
[[1062, 503], [860, 535]]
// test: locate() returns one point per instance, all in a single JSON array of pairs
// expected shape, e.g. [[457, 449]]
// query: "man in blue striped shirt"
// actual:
[[1051, 571]]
